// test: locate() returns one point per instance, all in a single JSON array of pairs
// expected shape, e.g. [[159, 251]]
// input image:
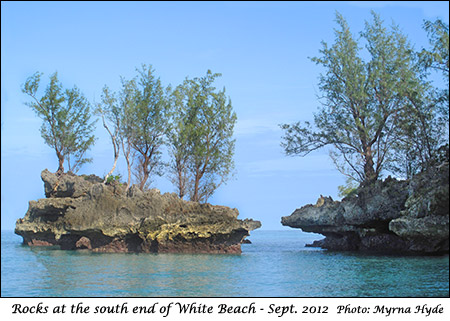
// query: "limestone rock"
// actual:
[[390, 217], [81, 213], [67, 185]]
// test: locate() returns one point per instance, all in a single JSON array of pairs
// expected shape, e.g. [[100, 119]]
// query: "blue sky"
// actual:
[[261, 49]]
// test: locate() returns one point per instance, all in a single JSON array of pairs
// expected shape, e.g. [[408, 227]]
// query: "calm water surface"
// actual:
[[276, 265]]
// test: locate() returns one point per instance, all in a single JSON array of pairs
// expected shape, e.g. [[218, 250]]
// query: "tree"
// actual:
[[67, 126], [201, 143], [179, 142], [437, 58], [419, 134], [126, 132], [148, 117], [116, 111], [111, 114], [362, 101], [424, 127]]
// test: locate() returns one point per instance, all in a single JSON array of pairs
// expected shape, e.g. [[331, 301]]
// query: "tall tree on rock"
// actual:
[[67, 125], [201, 139], [126, 103], [361, 100], [179, 141], [149, 118], [117, 111]]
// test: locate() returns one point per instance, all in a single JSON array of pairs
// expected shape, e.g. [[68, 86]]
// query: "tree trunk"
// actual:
[[370, 176], [116, 157], [195, 197], [145, 172], [116, 147], [129, 175], [181, 181], [60, 170], [126, 153]]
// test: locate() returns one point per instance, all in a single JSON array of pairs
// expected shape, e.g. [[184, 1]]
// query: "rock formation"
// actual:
[[390, 216], [80, 212]]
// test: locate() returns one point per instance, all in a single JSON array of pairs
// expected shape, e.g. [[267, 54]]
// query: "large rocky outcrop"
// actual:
[[80, 212], [390, 216]]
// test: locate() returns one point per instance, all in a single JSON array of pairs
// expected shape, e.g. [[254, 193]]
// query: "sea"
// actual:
[[276, 264]]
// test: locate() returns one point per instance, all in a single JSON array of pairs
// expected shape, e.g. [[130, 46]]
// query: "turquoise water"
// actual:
[[276, 265]]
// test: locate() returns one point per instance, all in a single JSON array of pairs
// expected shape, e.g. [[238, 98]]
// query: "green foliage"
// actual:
[[146, 121], [437, 59], [179, 141], [424, 126], [200, 140], [113, 179], [196, 121], [67, 125], [361, 100], [349, 189]]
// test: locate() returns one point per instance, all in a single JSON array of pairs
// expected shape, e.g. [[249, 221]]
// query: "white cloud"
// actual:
[[265, 123], [312, 163], [252, 126]]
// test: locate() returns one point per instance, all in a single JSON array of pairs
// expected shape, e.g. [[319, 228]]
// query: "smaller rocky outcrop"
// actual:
[[80, 212], [67, 185], [390, 216]]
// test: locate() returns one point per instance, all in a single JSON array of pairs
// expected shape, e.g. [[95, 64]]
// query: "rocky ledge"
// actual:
[[391, 216], [80, 212]]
